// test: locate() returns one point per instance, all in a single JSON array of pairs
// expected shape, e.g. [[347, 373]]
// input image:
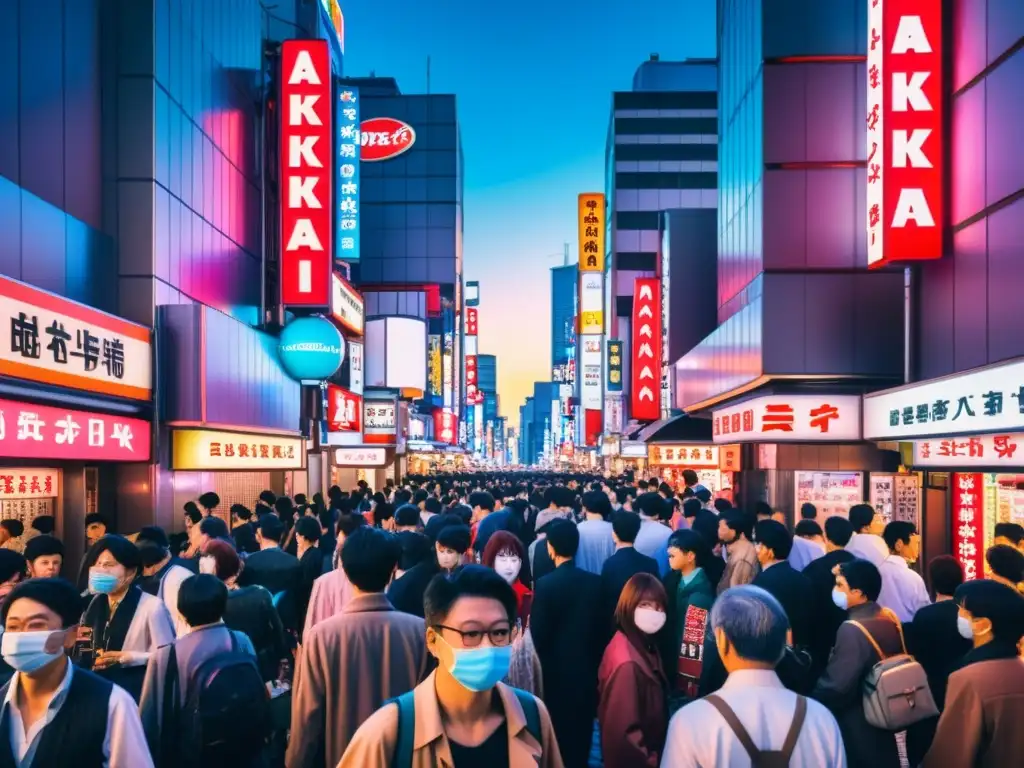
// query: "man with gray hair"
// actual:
[[753, 719]]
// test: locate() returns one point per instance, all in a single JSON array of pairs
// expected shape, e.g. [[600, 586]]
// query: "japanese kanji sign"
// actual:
[[591, 232], [445, 428], [360, 457], [208, 450], [344, 410], [347, 305], [989, 399], [683, 456], [65, 434], [306, 175], [981, 451], [614, 365], [28, 483], [968, 523], [380, 421], [591, 303], [904, 131], [590, 366], [789, 418], [52, 340], [382, 138], [646, 362], [346, 116]]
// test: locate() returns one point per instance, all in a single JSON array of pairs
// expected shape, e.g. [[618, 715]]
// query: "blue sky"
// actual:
[[534, 82]]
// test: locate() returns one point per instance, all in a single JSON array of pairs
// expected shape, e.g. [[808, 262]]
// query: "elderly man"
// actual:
[[753, 715]]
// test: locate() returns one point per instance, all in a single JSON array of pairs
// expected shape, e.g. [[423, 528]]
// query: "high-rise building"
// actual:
[[563, 317]]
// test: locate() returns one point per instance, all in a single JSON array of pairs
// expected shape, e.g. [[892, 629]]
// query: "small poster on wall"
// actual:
[[833, 493]]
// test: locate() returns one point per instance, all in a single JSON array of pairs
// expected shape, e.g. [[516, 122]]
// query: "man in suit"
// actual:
[[783, 582], [274, 569], [828, 616], [569, 632], [625, 563]]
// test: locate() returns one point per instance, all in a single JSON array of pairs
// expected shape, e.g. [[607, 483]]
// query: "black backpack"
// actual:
[[226, 716]]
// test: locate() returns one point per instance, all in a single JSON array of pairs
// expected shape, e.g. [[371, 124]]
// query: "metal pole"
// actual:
[[908, 325]]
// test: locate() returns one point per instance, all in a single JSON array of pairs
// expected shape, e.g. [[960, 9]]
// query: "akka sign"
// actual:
[[64, 434], [984, 451], [969, 523], [789, 418], [206, 450], [382, 138], [306, 174], [646, 367], [344, 410], [52, 340], [444, 426], [904, 121]]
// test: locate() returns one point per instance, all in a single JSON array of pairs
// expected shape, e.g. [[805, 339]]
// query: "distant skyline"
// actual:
[[533, 106]]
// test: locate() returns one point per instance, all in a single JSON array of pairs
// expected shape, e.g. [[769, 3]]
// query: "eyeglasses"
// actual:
[[499, 636]]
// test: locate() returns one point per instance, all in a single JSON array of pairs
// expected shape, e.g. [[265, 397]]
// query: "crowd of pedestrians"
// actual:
[[508, 619]]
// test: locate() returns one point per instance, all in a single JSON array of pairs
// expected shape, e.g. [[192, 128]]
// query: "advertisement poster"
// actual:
[[833, 493]]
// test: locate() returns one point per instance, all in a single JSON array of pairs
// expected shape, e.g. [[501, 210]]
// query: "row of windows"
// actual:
[[663, 125], [678, 166], [666, 113], [416, 162], [409, 243], [662, 139], [432, 189], [408, 216], [666, 100], [639, 152], [664, 199], [670, 180]]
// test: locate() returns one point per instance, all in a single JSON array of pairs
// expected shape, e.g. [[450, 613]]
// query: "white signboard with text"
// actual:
[[789, 418]]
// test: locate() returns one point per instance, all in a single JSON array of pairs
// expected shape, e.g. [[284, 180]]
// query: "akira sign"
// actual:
[[382, 138], [904, 131], [306, 174]]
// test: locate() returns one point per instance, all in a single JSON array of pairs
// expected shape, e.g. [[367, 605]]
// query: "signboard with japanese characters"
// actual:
[[349, 151], [968, 523], [590, 364], [380, 421], [360, 457], [833, 493], [344, 410], [55, 341], [591, 232], [28, 483], [646, 363], [382, 138], [683, 456], [789, 418], [986, 400], [904, 131], [614, 365], [907, 499], [65, 434], [991, 451], [445, 428], [355, 367], [347, 306], [591, 303], [207, 450]]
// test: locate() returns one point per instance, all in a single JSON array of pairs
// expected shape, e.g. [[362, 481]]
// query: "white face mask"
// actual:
[[208, 565], [448, 558], [649, 620], [508, 567]]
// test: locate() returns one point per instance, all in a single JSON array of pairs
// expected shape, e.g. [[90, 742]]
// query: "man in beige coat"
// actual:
[[462, 714], [349, 665]]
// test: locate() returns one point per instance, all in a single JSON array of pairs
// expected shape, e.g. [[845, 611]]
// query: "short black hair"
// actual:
[[690, 477], [808, 511], [271, 528], [762, 509], [241, 511], [415, 549], [13, 527], [44, 524], [214, 527], [1006, 561], [1002, 605], [468, 581], [626, 526], [192, 512], [688, 540], [838, 530], [946, 574], [1012, 531], [722, 504], [564, 537], [898, 530], [624, 492], [369, 557], [773, 535], [703, 495], [455, 537], [738, 521], [666, 489], [152, 534], [482, 499], [202, 600], [57, 594], [43, 545], [861, 516], [432, 505], [308, 528], [419, 496], [560, 496], [11, 564], [808, 527], [210, 500], [122, 550], [349, 522], [863, 575], [692, 507], [597, 503], [95, 518], [268, 498], [650, 505], [283, 507], [406, 515]]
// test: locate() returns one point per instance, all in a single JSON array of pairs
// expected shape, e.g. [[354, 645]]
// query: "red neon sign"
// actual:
[[445, 428], [65, 434], [382, 138], [646, 369], [307, 171], [969, 523], [904, 122], [344, 410]]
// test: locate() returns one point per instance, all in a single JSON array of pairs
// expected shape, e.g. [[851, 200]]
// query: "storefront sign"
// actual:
[[311, 349], [987, 399], [611, 446], [347, 305], [444, 426], [590, 363], [969, 523], [64, 434], [591, 303], [207, 450], [472, 392], [434, 366], [833, 493], [28, 483], [896, 497], [344, 410], [448, 364], [348, 174], [355, 367], [471, 321], [383, 138], [380, 421], [472, 297], [55, 341], [614, 365], [984, 451], [630, 450], [591, 426], [683, 456], [646, 363], [730, 458], [789, 418], [905, 131], [360, 457], [591, 232], [306, 176]]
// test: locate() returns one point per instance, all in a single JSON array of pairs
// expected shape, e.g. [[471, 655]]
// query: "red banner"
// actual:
[[64, 434], [344, 410], [445, 428], [645, 392], [471, 316], [592, 425], [968, 491]]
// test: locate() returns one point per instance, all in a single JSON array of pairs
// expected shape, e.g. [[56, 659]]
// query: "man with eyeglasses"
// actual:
[[353, 662], [469, 618]]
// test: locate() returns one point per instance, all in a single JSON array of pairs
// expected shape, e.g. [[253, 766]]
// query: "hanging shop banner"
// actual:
[[360, 457], [969, 523], [989, 399], [614, 365], [207, 450], [28, 483], [472, 298], [592, 426], [344, 410], [449, 369], [56, 341], [380, 422], [904, 131], [646, 363], [382, 138], [348, 182], [789, 418], [306, 175], [591, 232], [65, 434], [347, 305], [435, 372], [590, 363], [471, 321], [983, 451], [445, 428], [896, 497], [683, 456], [354, 353], [472, 392], [591, 303], [833, 493]]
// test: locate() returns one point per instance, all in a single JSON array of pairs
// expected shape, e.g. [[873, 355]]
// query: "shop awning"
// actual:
[[677, 429], [631, 430]]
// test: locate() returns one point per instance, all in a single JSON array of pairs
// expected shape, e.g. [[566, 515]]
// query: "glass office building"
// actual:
[[563, 315]]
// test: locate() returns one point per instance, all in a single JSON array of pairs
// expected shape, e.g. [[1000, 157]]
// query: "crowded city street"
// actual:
[[444, 384]]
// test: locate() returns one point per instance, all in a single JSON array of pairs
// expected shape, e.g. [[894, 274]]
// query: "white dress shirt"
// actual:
[[168, 592], [151, 628], [124, 745], [803, 552], [903, 590], [698, 735], [868, 546]]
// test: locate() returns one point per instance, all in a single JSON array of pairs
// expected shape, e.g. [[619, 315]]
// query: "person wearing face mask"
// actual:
[[54, 714], [632, 706], [451, 541], [462, 715], [857, 586], [903, 590], [353, 663], [981, 724], [123, 625], [690, 597]]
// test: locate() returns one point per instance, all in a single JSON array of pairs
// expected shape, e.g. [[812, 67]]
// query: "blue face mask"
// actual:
[[102, 583], [840, 599], [26, 651], [478, 669]]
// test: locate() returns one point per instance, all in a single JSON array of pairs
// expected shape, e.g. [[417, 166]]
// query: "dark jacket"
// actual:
[[705, 523], [245, 538], [794, 592], [251, 610], [312, 565], [683, 668], [827, 616], [569, 634], [272, 568], [933, 639], [623, 565], [840, 689], [406, 592]]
